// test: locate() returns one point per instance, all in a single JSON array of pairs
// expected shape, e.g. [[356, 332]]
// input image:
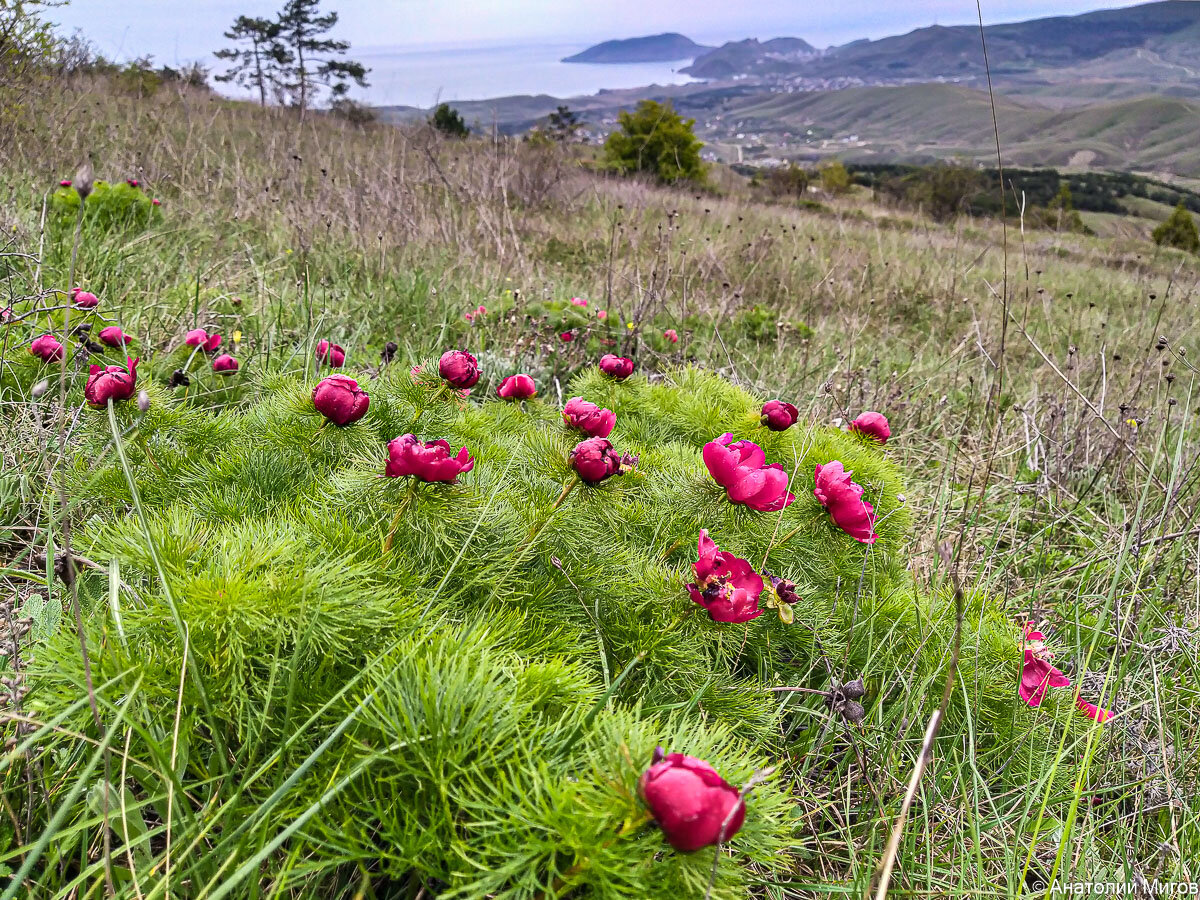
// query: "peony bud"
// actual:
[[671, 335], [459, 368], [340, 400], [516, 387], [179, 379], [872, 425], [617, 367], [779, 416], [589, 418], [84, 299], [225, 364], [114, 336], [693, 805], [595, 460], [330, 354], [47, 348], [389, 352]]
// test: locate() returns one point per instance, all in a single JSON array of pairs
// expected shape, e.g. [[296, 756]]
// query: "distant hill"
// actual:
[[1152, 42], [750, 57], [654, 48]]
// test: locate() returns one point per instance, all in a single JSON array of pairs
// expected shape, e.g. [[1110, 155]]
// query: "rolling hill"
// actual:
[[653, 48]]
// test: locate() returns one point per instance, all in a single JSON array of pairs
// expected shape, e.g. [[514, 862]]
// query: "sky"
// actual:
[[175, 32]]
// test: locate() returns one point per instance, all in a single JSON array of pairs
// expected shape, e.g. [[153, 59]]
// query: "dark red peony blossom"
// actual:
[[132, 182], [693, 805], [106, 383], [114, 336], [595, 460], [589, 418], [618, 367], [84, 299], [428, 462], [842, 498], [459, 368], [1038, 674], [225, 364], [340, 400], [66, 182], [779, 416], [726, 585], [740, 467], [671, 335], [567, 336], [46, 348], [516, 387], [872, 425], [330, 354]]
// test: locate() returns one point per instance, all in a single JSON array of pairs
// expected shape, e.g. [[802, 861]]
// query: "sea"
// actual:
[[424, 77]]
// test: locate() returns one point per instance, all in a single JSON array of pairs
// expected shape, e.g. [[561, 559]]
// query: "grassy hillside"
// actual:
[[303, 679]]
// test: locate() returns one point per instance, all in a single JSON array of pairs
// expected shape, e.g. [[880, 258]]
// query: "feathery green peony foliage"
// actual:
[[461, 684]]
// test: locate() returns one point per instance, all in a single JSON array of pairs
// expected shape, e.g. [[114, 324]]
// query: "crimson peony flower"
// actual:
[[601, 314], [66, 182], [578, 301], [1038, 674], [198, 337], [779, 416], [739, 467], [340, 400], [842, 499], [1091, 710], [617, 367], [46, 348], [330, 354], [114, 336], [567, 336], [132, 182], [589, 418], [516, 387], [872, 425], [693, 805], [106, 383], [671, 335], [459, 368], [428, 462], [225, 364], [595, 460], [84, 299], [156, 202], [726, 585]]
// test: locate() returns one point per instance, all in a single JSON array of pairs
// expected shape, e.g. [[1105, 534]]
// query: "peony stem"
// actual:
[[412, 490], [675, 546], [787, 537], [567, 488]]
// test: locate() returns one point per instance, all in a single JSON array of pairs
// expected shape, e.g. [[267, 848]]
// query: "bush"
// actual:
[[834, 178], [1178, 231], [655, 140], [448, 121], [109, 208]]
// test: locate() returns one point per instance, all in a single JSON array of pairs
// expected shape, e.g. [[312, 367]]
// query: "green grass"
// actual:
[[291, 705]]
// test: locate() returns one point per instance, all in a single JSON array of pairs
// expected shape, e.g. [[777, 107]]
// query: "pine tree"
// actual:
[[449, 121], [563, 124], [260, 64], [1178, 231], [655, 140], [314, 61]]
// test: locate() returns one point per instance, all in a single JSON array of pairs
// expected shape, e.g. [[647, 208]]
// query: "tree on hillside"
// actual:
[[834, 178], [314, 61], [259, 64], [449, 121], [1178, 231], [563, 125], [656, 141]]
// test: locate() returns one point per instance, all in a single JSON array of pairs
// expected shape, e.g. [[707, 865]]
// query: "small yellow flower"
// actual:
[[1132, 423], [237, 336], [288, 251], [629, 325]]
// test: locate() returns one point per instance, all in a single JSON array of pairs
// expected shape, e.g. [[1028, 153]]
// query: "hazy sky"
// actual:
[[175, 31]]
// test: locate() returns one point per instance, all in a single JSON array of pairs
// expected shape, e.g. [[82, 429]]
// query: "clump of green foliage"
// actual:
[[1179, 231], [449, 121], [121, 207], [655, 140]]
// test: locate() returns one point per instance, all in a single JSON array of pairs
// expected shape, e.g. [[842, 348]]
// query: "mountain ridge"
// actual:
[[666, 47]]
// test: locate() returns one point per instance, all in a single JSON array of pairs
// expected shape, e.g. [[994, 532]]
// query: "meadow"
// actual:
[[271, 672]]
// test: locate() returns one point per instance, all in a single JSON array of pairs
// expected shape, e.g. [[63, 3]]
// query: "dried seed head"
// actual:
[[82, 182], [143, 401], [39, 389]]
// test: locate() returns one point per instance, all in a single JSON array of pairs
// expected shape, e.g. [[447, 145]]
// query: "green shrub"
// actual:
[[109, 208], [1178, 231], [656, 141]]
